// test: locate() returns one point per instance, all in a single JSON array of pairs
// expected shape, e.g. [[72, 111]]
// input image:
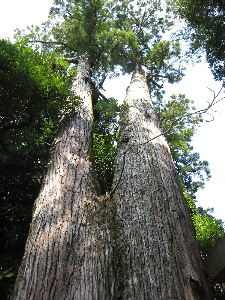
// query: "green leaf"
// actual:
[[9, 275]]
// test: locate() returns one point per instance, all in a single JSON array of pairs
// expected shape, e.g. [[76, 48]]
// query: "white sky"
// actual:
[[209, 140]]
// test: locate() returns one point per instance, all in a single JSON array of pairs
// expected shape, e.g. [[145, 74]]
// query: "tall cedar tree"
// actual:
[[159, 255], [130, 244], [66, 252], [59, 260]]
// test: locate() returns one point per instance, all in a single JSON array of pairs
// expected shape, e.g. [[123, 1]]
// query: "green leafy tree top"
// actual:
[[180, 123], [144, 24], [75, 28], [30, 82], [206, 20], [111, 33], [208, 229]]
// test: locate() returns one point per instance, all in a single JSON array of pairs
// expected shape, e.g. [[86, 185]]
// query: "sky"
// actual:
[[209, 140]]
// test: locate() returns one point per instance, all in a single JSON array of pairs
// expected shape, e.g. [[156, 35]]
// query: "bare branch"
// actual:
[[102, 96], [100, 85], [95, 88], [53, 43], [19, 125], [71, 60]]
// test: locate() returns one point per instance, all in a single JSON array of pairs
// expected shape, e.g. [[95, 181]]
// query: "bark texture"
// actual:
[[158, 257], [65, 257]]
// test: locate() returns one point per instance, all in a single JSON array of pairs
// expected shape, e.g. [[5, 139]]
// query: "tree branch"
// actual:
[[4, 148], [71, 60], [100, 85], [53, 43], [95, 88], [154, 82], [19, 125], [103, 96]]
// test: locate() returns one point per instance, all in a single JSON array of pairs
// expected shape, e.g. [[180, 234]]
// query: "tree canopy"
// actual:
[[112, 33], [206, 21], [192, 171]]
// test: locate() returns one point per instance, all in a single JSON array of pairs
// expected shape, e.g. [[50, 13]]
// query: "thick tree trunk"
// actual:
[[158, 257], [137, 244], [65, 257]]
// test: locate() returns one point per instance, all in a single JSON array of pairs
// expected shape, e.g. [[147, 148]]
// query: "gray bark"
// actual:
[[65, 256], [158, 257]]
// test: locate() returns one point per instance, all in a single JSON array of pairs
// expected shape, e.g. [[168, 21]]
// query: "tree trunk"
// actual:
[[158, 257], [137, 244], [65, 257]]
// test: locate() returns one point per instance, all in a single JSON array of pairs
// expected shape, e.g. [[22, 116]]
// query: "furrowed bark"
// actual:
[[65, 256], [158, 257]]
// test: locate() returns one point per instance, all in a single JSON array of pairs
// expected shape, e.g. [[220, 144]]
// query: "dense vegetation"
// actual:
[[206, 28]]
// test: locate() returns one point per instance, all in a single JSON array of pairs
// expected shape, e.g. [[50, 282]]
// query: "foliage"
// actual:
[[180, 124], [32, 92], [6, 282], [208, 229], [84, 27], [206, 18], [104, 137], [77, 27], [145, 24], [6, 273], [111, 33], [30, 82]]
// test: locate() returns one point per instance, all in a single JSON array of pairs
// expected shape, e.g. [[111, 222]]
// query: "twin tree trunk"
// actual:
[[138, 243]]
